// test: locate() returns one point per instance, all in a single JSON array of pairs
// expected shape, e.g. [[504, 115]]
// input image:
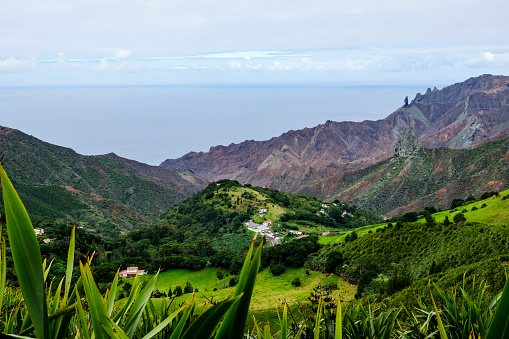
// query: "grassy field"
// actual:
[[268, 294], [496, 211], [340, 236]]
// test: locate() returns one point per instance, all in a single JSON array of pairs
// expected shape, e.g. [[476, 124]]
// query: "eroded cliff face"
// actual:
[[462, 115]]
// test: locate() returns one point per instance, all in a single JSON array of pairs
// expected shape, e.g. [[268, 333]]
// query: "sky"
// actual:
[[203, 42]]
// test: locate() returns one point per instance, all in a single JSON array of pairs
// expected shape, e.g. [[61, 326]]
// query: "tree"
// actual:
[[296, 282], [456, 203], [178, 291], [277, 269], [446, 221], [460, 217], [429, 220], [219, 275], [188, 288]]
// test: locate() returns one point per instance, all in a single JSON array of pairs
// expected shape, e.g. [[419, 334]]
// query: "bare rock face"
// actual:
[[463, 115], [408, 143]]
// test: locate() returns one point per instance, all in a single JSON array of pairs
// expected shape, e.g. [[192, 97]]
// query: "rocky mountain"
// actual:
[[417, 177], [104, 193], [460, 116]]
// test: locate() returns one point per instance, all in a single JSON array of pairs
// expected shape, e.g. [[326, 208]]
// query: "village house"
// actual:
[[38, 231], [130, 272], [262, 209], [267, 223]]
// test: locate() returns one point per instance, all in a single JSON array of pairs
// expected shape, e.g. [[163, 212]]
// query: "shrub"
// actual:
[[487, 195], [188, 288], [474, 208], [233, 281], [456, 203], [460, 217], [483, 205], [277, 269], [446, 221], [219, 275], [296, 282], [177, 291]]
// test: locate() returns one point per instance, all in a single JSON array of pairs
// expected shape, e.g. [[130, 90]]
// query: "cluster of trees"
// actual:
[[291, 253], [333, 216], [393, 258], [470, 198]]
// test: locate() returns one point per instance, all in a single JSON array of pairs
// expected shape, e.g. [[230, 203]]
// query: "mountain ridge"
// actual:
[[461, 115]]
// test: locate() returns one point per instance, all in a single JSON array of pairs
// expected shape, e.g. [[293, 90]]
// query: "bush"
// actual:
[[456, 203], [177, 291], [296, 282], [409, 217], [474, 208], [351, 236], [460, 217], [446, 221], [188, 288], [233, 281], [277, 269], [483, 205], [487, 195]]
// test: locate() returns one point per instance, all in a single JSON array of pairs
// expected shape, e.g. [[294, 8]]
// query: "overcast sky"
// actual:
[[151, 42]]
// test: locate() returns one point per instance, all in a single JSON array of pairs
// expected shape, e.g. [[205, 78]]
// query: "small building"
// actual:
[[295, 232], [38, 231], [325, 205], [131, 272], [267, 222], [325, 233], [46, 241], [262, 209], [302, 236]]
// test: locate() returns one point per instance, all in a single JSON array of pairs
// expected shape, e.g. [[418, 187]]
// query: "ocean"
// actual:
[[154, 123]]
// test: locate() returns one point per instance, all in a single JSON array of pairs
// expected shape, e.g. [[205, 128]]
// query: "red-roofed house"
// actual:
[[130, 272], [302, 236], [267, 223]]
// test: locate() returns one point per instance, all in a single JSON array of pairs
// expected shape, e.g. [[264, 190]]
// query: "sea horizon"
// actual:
[[152, 123]]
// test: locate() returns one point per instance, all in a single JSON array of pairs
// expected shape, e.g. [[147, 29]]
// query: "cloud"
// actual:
[[122, 54], [102, 67], [12, 65], [488, 59]]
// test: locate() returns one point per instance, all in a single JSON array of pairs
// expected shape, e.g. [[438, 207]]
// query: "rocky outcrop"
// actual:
[[463, 115], [408, 143]]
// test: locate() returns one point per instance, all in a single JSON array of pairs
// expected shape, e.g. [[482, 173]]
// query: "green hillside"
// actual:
[[224, 206], [105, 194], [396, 261]]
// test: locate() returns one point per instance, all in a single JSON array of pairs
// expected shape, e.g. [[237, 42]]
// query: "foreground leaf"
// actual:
[[26, 256]]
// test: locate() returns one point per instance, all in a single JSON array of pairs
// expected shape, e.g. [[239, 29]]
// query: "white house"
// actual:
[[262, 209], [39, 231], [130, 272]]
